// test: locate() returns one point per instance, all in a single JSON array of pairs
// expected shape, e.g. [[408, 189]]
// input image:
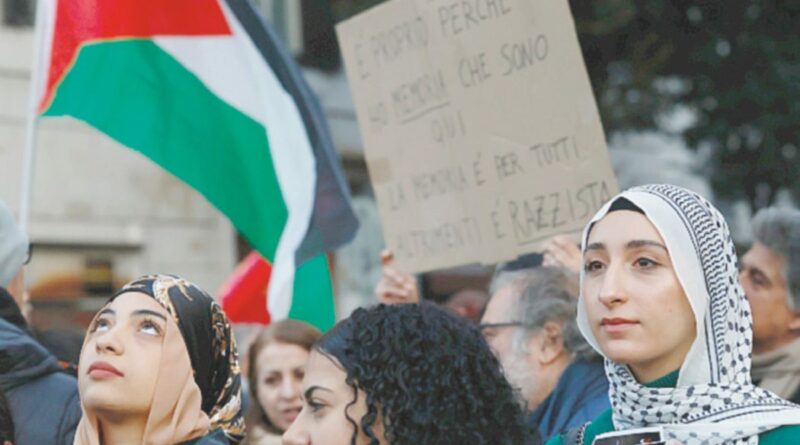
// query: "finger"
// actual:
[[387, 257], [548, 260], [393, 273], [391, 290]]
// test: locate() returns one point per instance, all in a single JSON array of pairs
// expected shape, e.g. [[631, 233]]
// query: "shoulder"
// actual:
[[601, 424], [52, 400], [56, 388], [782, 435]]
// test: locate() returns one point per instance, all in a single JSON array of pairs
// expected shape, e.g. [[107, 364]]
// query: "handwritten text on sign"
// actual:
[[482, 135]]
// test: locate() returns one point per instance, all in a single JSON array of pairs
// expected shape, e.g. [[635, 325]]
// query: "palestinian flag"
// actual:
[[204, 89]]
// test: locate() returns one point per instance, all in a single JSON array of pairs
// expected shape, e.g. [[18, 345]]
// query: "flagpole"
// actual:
[[31, 124]]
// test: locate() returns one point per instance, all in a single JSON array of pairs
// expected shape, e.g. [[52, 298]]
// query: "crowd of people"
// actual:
[[652, 327]]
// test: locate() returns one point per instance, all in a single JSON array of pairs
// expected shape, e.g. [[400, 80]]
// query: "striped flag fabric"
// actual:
[[205, 90]]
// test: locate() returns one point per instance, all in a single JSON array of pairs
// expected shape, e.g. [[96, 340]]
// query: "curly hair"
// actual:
[[429, 376]]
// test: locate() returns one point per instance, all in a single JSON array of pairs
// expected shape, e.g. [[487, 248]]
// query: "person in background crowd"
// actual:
[[770, 276], [661, 301], [406, 374], [159, 366], [397, 286], [278, 358], [467, 303], [44, 402], [530, 325]]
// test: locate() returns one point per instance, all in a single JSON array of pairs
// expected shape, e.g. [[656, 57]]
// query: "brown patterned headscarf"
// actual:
[[182, 409]]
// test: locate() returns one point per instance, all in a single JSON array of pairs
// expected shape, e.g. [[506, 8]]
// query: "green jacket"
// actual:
[[603, 423]]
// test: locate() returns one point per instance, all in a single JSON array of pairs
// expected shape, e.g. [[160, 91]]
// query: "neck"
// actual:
[[127, 430], [769, 345], [548, 379]]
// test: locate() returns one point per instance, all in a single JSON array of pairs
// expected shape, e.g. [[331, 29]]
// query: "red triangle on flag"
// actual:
[[79, 22], [244, 294]]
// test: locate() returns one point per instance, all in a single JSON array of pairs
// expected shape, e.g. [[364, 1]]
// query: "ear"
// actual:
[[551, 343]]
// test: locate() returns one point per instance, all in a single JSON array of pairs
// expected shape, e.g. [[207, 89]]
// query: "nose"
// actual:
[[612, 291], [290, 389], [295, 435], [109, 342]]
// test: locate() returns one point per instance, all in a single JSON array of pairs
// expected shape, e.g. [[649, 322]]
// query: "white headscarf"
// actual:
[[715, 401]]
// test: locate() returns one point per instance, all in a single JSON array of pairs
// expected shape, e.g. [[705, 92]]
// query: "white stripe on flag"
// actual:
[[232, 68]]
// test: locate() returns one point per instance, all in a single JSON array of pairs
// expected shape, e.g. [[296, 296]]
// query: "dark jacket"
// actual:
[[580, 395], [44, 402]]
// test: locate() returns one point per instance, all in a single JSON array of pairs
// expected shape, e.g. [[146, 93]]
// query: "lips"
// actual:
[[617, 326], [616, 321], [103, 370], [291, 413]]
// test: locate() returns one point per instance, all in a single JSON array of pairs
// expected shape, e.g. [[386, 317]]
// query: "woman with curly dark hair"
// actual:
[[409, 374]]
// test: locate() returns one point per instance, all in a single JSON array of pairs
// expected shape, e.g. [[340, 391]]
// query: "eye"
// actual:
[[314, 406], [150, 327], [644, 262], [271, 380], [100, 325], [592, 266]]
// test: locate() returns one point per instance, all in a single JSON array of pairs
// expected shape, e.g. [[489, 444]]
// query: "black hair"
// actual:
[[619, 204], [429, 375]]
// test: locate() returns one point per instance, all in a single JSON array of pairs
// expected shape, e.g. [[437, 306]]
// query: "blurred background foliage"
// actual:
[[725, 76]]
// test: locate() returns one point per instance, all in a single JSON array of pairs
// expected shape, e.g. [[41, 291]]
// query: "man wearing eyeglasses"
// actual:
[[43, 401], [770, 277], [530, 325]]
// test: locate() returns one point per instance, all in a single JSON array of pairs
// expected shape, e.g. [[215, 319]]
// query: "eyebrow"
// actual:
[[310, 391], [139, 312], [633, 244], [149, 312], [107, 311]]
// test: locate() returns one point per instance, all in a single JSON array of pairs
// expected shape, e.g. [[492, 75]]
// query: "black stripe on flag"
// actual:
[[333, 222]]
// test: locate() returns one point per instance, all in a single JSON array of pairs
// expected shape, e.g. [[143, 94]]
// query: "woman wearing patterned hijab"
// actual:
[[159, 367], [661, 301]]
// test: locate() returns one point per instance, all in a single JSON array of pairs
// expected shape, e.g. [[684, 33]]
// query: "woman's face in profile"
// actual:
[[120, 358], [635, 304], [328, 401]]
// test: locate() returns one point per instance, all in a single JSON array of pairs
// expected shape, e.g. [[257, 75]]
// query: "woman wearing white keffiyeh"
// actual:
[[660, 299]]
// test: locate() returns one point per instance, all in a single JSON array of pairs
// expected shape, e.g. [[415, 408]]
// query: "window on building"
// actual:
[[18, 13]]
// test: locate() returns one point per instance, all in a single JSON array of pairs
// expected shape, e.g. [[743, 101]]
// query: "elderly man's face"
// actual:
[[764, 283], [496, 323]]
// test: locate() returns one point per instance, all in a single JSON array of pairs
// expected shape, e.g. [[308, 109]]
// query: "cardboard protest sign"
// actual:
[[481, 132]]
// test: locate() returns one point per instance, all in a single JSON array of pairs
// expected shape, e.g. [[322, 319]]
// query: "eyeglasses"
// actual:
[[508, 324]]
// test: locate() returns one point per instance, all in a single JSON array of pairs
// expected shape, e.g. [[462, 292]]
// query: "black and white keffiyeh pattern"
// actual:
[[715, 401]]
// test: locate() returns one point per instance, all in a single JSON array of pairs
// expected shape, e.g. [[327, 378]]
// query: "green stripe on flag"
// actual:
[[141, 96], [313, 294]]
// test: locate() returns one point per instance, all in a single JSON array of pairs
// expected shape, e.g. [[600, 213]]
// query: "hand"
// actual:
[[561, 251], [395, 286]]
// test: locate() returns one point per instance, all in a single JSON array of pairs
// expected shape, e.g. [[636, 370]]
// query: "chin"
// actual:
[[100, 398], [622, 351]]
